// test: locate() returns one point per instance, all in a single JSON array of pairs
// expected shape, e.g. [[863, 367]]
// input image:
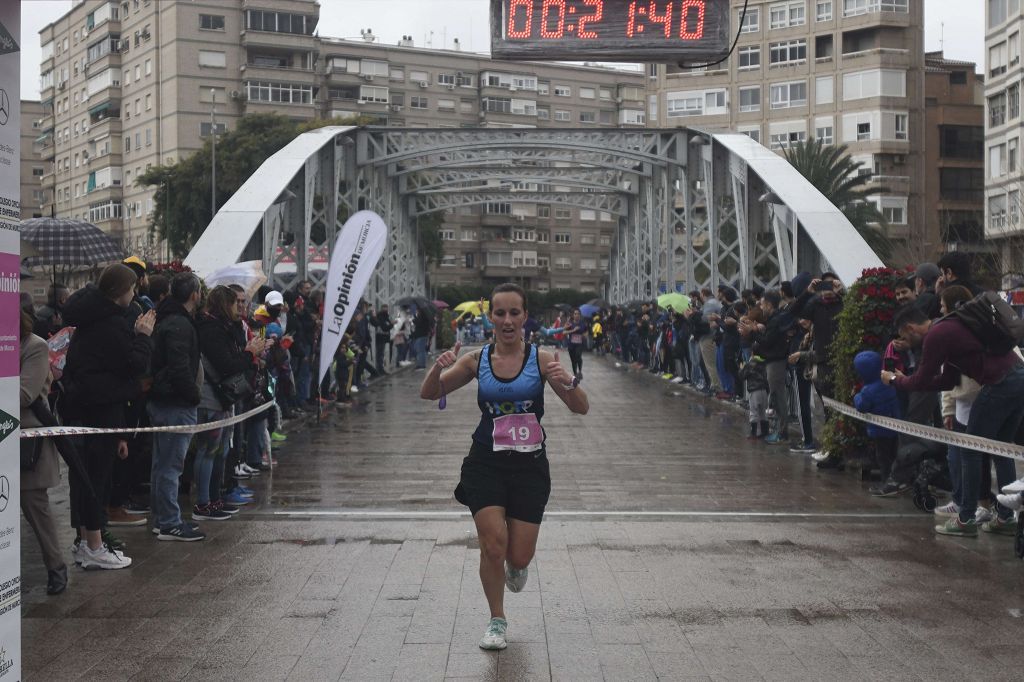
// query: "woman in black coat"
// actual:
[[106, 359]]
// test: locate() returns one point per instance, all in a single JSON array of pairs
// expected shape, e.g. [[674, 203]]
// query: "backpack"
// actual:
[[992, 321]]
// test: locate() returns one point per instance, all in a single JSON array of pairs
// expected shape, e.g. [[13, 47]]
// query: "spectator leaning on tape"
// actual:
[[173, 399], [949, 349], [105, 361]]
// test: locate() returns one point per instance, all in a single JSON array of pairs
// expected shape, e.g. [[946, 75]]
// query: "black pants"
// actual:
[[885, 454], [731, 362], [378, 352], [576, 358], [97, 453], [803, 387]]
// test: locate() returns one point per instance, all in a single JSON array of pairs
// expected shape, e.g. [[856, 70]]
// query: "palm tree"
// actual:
[[831, 170]]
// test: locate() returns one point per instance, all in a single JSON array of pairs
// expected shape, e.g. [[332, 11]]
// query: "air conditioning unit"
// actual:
[[618, 100], [237, 94], [360, 101], [62, 85], [450, 86], [512, 88], [424, 84], [145, 35], [898, 159], [368, 77], [396, 107]]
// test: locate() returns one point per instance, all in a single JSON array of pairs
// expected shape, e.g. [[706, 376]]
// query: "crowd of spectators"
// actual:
[[162, 350], [769, 351]]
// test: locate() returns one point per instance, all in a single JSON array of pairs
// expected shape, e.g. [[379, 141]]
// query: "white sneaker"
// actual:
[[354, 389], [515, 578], [76, 551], [494, 637], [1012, 501], [1015, 487], [677, 380], [103, 558], [948, 509], [820, 456], [249, 470], [982, 515]]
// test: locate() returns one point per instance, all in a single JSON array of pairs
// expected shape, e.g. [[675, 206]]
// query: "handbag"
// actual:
[[229, 390]]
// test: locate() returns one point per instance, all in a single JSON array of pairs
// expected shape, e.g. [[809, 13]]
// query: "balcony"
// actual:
[[278, 74], [878, 56], [48, 181], [111, 125], [292, 41], [294, 111], [110, 60], [511, 272], [307, 7]]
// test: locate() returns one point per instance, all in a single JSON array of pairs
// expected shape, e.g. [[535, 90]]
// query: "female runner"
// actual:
[[505, 479]]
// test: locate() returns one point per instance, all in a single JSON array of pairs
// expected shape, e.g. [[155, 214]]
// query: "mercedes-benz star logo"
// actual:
[[5, 107], [5, 492]]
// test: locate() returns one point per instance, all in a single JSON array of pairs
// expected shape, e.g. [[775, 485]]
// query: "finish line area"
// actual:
[[672, 548]]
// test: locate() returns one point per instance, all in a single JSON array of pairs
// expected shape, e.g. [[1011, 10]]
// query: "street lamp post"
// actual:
[[213, 162]]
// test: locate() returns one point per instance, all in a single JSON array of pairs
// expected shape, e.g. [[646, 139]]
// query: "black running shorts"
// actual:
[[518, 481]]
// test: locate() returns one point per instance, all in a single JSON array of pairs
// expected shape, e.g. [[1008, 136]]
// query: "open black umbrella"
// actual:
[[69, 242], [418, 301]]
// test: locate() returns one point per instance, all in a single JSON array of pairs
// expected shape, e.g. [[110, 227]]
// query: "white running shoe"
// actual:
[[252, 471], [354, 389], [494, 637], [1015, 487], [820, 456], [515, 578], [677, 380], [76, 551], [948, 509], [103, 558], [982, 515], [1013, 501]]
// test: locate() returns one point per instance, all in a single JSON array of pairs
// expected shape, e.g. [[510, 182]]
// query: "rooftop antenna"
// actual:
[[942, 37]]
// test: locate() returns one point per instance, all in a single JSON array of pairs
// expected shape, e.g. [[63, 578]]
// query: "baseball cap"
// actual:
[[929, 272], [261, 311], [135, 260], [274, 298]]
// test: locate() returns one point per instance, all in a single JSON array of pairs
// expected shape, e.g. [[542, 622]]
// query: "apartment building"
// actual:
[[954, 152], [32, 168], [1003, 173], [844, 71], [128, 85]]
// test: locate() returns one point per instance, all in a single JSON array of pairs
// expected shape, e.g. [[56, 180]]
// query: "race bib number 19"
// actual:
[[519, 432]]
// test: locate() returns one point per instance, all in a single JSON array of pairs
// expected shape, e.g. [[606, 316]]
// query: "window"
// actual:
[[212, 59], [751, 20], [786, 95], [750, 98], [788, 51], [543, 87], [900, 126], [543, 212], [588, 117], [587, 93], [285, 93], [1013, 101], [1011, 156], [445, 104], [785, 133], [997, 161], [544, 114], [823, 10], [853, 8], [211, 22], [371, 93], [562, 115], [563, 91], [563, 263], [498, 208], [418, 102], [149, 137], [997, 110], [631, 117], [823, 90], [447, 235], [588, 263], [563, 238], [499, 258], [997, 59], [894, 215], [864, 131], [280, 22], [786, 15], [962, 184], [750, 57], [825, 133], [205, 126], [874, 83], [685, 104], [149, 68], [962, 142], [1013, 49], [149, 102], [501, 105]]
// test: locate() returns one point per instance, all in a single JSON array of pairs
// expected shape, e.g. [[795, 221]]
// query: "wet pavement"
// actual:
[[672, 548]]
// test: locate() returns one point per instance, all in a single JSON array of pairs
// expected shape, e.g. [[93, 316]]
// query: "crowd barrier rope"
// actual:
[[53, 431], [960, 440]]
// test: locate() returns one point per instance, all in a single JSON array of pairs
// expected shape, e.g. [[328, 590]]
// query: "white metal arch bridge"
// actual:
[[691, 206]]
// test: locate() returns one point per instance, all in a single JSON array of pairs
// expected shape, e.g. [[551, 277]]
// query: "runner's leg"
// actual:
[[493, 536], [522, 542]]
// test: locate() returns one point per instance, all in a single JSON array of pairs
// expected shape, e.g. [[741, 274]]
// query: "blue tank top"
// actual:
[[499, 397]]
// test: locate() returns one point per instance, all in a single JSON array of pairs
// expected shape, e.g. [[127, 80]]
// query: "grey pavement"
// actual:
[[672, 549]]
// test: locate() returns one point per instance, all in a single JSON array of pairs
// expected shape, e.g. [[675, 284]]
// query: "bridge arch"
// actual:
[[688, 203]]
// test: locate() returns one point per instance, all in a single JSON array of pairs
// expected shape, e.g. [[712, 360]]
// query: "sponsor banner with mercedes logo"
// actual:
[[10, 274]]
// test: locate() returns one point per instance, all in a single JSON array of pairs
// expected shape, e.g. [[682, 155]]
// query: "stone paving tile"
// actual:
[[309, 598]]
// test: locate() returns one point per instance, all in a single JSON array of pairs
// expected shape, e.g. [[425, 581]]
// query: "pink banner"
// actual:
[[10, 286]]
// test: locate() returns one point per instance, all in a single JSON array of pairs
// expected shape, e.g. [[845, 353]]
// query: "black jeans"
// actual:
[[576, 358], [97, 454], [803, 387]]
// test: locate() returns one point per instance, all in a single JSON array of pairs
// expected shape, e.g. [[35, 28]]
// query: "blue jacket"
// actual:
[[875, 397]]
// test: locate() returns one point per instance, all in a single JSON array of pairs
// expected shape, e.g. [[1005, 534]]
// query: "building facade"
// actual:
[[954, 151], [843, 71], [1003, 173], [129, 85], [33, 201]]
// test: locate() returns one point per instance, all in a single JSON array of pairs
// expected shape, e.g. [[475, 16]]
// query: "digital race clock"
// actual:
[[610, 30]]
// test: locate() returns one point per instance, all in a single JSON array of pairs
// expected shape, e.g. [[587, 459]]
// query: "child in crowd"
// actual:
[[754, 375], [879, 399]]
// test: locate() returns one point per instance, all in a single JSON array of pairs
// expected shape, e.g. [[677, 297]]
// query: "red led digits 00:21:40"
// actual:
[[556, 18]]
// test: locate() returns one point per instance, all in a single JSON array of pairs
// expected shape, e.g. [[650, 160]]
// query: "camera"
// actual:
[[824, 285], [889, 364]]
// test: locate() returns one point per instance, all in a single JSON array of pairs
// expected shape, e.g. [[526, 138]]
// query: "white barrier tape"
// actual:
[[960, 440], [50, 431]]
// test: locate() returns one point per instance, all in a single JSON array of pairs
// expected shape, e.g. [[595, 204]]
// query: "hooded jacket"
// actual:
[[875, 398], [105, 361], [219, 345], [175, 356], [821, 309]]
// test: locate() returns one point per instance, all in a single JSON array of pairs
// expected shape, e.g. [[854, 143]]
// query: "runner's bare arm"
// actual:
[[451, 370], [558, 378]]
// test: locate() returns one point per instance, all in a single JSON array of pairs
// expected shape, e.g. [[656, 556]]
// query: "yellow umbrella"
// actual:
[[472, 307]]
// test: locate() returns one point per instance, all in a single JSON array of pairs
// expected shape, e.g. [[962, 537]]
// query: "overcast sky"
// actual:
[[439, 22]]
